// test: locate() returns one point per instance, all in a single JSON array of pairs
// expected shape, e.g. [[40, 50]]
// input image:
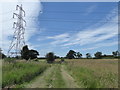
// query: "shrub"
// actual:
[[62, 60], [50, 57]]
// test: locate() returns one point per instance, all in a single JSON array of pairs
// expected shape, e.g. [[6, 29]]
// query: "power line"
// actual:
[[77, 21], [5, 13], [76, 12]]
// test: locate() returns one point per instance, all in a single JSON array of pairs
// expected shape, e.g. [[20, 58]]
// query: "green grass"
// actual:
[[97, 74], [58, 82], [20, 72], [88, 73], [85, 78], [55, 79]]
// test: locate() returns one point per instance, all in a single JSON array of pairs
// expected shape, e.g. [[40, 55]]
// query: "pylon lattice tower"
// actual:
[[18, 37]]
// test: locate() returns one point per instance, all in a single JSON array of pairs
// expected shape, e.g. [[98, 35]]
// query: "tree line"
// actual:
[[32, 54], [98, 55]]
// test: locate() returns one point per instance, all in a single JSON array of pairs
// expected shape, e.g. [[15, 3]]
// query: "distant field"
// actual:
[[74, 73]]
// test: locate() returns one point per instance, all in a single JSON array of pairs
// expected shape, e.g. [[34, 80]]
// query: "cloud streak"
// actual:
[[90, 36], [90, 9]]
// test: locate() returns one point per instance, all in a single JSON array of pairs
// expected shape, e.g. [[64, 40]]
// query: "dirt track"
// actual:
[[49, 79]]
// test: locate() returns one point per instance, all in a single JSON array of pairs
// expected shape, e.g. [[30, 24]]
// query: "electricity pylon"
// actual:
[[18, 37]]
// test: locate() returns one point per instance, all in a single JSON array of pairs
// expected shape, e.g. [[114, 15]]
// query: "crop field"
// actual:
[[74, 73]]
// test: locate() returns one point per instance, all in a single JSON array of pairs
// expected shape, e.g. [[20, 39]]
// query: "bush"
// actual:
[[50, 57], [62, 60]]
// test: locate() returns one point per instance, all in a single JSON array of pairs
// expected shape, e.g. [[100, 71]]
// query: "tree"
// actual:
[[28, 54], [116, 53], [56, 57], [25, 52], [33, 54], [2, 55], [71, 54], [88, 55], [79, 55], [98, 55], [50, 57]]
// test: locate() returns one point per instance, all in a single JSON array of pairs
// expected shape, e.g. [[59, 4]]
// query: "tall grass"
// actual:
[[94, 74], [20, 72]]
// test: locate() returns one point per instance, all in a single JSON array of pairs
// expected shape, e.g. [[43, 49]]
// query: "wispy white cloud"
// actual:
[[62, 38], [31, 8], [90, 9], [100, 45], [92, 35]]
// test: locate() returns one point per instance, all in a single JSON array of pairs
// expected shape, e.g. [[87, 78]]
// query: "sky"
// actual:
[[58, 27]]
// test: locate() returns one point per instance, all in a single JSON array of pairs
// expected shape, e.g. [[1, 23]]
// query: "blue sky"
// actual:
[[86, 27], [61, 24]]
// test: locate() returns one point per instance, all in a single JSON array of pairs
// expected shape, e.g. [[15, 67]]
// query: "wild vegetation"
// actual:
[[94, 73], [19, 72], [74, 73], [71, 71]]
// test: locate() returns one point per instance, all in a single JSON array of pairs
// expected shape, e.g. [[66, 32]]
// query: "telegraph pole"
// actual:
[[18, 37]]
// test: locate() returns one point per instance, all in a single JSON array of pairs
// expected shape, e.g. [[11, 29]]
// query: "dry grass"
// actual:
[[104, 72], [97, 64]]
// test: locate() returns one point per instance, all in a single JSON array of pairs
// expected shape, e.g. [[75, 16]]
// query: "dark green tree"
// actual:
[[33, 54], [98, 55], [25, 52], [71, 54], [116, 53], [57, 57], [28, 54], [2, 55], [78, 55], [50, 57], [88, 55]]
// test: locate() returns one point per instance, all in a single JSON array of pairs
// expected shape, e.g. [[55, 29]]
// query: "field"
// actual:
[[75, 73]]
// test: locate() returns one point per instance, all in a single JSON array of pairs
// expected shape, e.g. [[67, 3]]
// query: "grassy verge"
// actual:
[[102, 75], [20, 72], [55, 79]]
